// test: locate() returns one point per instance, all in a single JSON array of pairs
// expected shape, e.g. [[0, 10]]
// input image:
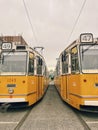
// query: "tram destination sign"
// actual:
[[86, 38], [6, 46]]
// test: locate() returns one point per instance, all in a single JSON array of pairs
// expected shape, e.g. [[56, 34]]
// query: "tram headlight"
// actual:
[[11, 91]]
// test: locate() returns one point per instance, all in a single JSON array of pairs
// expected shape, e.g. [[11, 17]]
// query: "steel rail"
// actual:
[[23, 119]]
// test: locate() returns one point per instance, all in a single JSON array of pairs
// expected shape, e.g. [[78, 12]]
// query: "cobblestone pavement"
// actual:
[[51, 113]]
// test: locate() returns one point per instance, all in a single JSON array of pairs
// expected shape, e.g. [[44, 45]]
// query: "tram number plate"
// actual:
[[6, 46], [86, 37], [11, 85]]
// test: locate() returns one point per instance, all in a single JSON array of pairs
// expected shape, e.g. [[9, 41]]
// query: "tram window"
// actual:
[[31, 64], [45, 70], [13, 62], [58, 68], [74, 60], [44, 73], [39, 65], [1, 59], [89, 53], [65, 65]]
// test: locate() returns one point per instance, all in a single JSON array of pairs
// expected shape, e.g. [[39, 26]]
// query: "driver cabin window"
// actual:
[[31, 63], [74, 60]]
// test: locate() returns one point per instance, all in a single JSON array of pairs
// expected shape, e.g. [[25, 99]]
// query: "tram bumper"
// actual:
[[90, 103], [89, 106], [14, 102]]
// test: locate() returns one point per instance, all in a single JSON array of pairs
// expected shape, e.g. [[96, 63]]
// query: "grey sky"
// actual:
[[52, 22]]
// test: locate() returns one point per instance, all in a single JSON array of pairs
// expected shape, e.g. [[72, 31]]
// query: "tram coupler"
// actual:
[[4, 107]]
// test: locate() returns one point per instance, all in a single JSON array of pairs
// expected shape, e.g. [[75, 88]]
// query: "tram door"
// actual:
[[65, 71], [67, 74], [64, 86], [39, 87], [39, 77]]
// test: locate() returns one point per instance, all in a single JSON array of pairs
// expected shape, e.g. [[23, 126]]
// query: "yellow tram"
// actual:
[[76, 74], [23, 73]]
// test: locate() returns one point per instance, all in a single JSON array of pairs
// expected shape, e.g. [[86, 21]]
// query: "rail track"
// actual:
[[23, 119], [52, 114], [88, 120], [85, 125]]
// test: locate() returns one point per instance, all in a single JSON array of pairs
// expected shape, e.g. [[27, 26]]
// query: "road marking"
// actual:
[[91, 121], [8, 122]]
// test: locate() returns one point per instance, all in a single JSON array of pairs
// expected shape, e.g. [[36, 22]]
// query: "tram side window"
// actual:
[[58, 68], [74, 60], [64, 64], [31, 64], [39, 65], [45, 71]]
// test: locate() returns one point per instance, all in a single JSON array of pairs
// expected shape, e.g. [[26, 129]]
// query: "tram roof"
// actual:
[[16, 39], [19, 40], [77, 42]]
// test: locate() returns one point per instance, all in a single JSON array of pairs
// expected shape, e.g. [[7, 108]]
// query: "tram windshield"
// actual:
[[89, 58], [13, 63]]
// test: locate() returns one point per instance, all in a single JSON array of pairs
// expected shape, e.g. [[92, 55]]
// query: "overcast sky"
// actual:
[[52, 22]]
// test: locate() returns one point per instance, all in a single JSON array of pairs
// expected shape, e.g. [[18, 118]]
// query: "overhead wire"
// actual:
[[29, 19], [76, 20]]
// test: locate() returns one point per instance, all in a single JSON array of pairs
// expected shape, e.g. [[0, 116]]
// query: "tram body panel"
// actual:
[[73, 90], [24, 87], [39, 86], [89, 84], [79, 89], [58, 83], [45, 82], [17, 84], [31, 90], [82, 89], [89, 89], [64, 91]]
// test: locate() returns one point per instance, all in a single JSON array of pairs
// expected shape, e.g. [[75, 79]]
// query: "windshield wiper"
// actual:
[[88, 47], [13, 50]]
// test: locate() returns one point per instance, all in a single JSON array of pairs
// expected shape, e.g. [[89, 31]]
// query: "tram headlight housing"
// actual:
[[11, 91]]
